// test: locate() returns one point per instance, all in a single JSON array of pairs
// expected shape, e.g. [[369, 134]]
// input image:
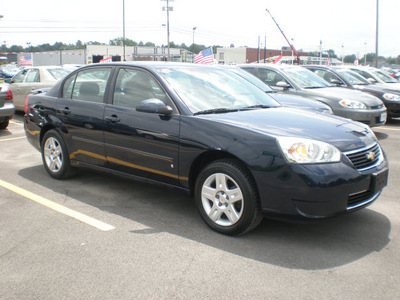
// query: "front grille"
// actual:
[[366, 157]]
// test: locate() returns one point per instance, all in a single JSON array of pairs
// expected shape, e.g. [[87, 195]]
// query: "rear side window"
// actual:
[[33, 76], [88, 85]]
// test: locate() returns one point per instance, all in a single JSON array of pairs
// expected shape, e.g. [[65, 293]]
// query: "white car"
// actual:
[[32, 78]]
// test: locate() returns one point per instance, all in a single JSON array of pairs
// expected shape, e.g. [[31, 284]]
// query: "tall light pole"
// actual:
[[376, 39], [320, 52], [123, 26], [194, 28], [168, 9], [365, 58]]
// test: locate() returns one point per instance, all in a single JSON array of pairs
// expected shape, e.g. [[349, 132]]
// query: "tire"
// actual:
[[55, 156], [232, 206], [3, 125]]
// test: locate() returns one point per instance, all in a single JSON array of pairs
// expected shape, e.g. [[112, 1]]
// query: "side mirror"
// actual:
[[154, 106], [282, 84], [336, 82], [371, 80], [7, 80]]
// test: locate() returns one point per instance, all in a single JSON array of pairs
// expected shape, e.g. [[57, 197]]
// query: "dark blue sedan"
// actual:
[[208, 131]]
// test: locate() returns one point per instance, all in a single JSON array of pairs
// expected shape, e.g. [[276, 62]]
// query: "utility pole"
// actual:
[[376, 39]]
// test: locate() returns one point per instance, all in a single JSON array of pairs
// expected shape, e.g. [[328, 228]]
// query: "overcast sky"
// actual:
[[346, 26]]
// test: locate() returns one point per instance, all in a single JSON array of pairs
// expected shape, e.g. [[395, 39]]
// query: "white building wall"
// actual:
[[231, 56]]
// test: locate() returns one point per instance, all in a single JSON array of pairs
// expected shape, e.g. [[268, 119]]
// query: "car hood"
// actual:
[[338, 93], [301, 102], [345, 134], [394, 86]]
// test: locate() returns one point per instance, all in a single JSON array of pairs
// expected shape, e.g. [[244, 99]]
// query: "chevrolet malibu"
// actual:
[[210, 132], [296, 80]]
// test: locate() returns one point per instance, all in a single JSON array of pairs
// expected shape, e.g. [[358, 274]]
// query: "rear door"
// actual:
[[81, 110], [138, 143]]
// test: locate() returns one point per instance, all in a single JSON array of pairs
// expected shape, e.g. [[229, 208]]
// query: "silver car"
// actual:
[[32, 78], [352, 104], [7, 108]]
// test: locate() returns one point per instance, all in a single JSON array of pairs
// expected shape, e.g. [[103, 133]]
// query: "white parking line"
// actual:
[[57, 207]]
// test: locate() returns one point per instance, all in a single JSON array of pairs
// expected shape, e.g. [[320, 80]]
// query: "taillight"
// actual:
[[9, 95], [26, 104]]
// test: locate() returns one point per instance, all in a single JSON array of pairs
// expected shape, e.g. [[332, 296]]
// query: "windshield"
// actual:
[[59, 73], [306, 79], [385, 77], [353, 77], [203, 89]]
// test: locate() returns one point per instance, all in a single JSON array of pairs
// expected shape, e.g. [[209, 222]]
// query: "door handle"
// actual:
[[66, 111], [112, 119]]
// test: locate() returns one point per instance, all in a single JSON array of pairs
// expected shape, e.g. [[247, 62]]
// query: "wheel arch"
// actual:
[[209, 157]]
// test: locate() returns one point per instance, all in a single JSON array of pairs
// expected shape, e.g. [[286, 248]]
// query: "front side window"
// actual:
[[88, 85], [327, 76], [270, 77], [385, 77], [353, 77], [20, 76], [133, 86]]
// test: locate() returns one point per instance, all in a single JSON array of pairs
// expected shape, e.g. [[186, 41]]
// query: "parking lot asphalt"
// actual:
[[97, 236]]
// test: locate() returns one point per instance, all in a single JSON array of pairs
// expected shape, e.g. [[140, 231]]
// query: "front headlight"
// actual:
[[352, 104], [391, 97], [305, 151]]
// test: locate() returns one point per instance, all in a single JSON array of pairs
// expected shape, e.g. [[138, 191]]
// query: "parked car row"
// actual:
[[213, 132]]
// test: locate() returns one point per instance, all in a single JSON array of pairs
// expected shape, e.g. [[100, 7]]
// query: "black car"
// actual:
[[206, 130], [345, 77]]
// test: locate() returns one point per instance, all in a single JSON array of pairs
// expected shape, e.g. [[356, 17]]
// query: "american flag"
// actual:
[[25, 60], [204, 57]]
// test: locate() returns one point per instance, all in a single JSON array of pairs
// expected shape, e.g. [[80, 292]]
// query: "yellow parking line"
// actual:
[[387, 128], [57, 207], [10, 139], [17, 123]]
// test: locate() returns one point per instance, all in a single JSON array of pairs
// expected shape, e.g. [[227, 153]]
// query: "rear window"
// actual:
[[59, 73]]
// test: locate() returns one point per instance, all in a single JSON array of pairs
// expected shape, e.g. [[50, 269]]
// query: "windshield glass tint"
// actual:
[[59, 73], [352, 77], [305, 78], [211, 88], [385, 77]]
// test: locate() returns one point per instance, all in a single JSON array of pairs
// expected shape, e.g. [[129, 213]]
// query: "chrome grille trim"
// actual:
[[360, 160]]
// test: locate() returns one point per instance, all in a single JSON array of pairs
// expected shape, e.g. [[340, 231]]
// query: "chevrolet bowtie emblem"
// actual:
[[371, 156]]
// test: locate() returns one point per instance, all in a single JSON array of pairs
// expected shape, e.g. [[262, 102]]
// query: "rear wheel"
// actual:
[[55, 156], [227, 198], [3, 125]]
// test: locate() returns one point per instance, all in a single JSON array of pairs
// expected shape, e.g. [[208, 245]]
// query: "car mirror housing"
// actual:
[[154, 106], [336, 82], [7, 80], [283, 85], [371, 80]]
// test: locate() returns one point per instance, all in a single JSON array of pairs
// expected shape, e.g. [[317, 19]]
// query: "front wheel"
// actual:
[[55, 156], [227, 198]]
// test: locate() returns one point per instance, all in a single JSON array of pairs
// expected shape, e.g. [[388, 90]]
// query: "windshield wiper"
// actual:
[[215, 111], [258, 106], [317, 87]]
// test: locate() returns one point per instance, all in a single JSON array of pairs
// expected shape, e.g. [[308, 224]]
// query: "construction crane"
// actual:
[[297, 60]]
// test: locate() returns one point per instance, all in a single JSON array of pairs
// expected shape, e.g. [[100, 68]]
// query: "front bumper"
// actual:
[[370, 117], [319, 191]]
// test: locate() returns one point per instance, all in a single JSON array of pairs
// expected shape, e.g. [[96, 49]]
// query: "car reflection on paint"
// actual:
[[210, 132]]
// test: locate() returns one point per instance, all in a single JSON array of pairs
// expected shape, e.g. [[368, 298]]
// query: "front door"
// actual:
[[142, 144]]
